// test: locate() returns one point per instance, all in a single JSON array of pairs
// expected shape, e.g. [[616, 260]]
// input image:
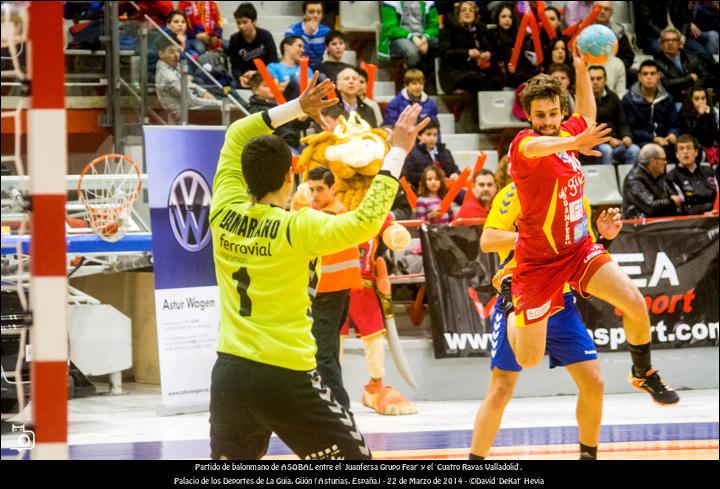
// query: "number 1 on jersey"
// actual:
[[243, 280]]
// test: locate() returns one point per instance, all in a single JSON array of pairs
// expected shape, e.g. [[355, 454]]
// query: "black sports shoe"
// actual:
[[662, 394]]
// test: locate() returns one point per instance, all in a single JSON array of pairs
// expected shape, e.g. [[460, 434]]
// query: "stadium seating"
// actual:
[[495, 110], [468, 158], [462, 142], [359, 17], [601, 185]]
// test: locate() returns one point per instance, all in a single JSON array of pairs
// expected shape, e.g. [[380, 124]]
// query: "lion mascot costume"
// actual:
[[354, 152]]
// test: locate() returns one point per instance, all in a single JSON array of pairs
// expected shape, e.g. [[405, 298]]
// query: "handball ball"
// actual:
[[396, 237], [597, 44]]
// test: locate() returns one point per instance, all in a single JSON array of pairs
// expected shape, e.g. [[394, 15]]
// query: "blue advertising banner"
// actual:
[[181, 163]]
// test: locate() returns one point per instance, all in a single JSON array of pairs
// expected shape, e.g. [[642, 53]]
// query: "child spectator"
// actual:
[[428, 152], [413, 93], [206, 25], [410, 31], [335, 49], [431, 192], [177, 24], [502, 40], [700, 119], [248, 43], [168, 84], [695, 183], [467, 60], [561, 72], [311, 31], [292, 50], [262, 99], [362, 88]]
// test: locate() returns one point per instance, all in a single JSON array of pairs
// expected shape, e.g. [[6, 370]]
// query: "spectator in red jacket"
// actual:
[[206, 24], [483, 192]]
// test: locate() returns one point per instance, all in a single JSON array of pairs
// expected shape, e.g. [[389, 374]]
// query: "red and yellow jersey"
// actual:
[[552, 221]]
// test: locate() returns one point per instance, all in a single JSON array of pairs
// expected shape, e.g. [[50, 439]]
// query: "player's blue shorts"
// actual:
[[568, 340]]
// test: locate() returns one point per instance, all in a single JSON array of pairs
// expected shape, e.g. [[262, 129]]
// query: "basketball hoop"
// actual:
[[107, 187]]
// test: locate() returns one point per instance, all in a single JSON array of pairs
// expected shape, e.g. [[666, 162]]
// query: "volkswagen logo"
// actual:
[[188, 209]]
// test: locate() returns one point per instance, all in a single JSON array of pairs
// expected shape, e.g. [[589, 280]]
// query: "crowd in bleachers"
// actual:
[[651, 98]]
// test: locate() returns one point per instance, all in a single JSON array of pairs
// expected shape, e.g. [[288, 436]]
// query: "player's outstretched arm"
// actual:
[[584, 98], [229, 184], [595, 134]]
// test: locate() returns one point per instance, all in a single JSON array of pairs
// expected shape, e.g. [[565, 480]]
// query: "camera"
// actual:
[[22, 439]]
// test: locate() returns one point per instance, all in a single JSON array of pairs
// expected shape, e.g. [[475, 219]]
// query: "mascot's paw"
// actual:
[[383, 400], [396, 237]]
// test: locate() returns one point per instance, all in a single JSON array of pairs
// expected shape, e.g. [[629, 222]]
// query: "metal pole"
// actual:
[[183, 92], [115, 80], [144, 72]]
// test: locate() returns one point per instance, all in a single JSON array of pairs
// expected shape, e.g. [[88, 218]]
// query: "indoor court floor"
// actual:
[[127, 427]]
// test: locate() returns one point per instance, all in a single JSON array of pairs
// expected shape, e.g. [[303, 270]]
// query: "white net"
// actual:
[[108, 186]]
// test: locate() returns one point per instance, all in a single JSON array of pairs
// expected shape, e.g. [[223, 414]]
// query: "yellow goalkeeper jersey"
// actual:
[[266, 258]]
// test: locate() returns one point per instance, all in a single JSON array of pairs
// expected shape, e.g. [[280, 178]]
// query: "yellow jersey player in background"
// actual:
[[265, 378]]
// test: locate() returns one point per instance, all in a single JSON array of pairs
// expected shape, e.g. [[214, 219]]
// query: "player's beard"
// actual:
[[547, 130]]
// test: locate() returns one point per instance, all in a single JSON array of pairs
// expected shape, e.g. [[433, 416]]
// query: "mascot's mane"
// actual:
[[354, 152]]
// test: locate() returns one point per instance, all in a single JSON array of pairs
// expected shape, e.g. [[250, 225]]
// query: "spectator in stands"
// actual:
[[287, 70], [312, 32], [206, 25], [248, 43], [625, 51], [263, 99], [680, 69], [430, 194], [502, 40], [650, 110], [347, 87], [556, 53], [177, 24], [705, 25], [695, 183], [574, 12], [428, 152], [87, 29], [561, 72], [410, 31], [335, 49], [168, 85], [553, 16], [157, 11], [477, 204], [620, 148], [700, 119], [646, 191], [652, 18], [362, 95], [467, 62], [502, 172], [413, 93]]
